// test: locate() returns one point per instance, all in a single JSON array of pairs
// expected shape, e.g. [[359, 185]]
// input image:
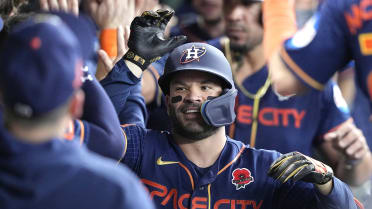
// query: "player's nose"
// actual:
[[194, 95]]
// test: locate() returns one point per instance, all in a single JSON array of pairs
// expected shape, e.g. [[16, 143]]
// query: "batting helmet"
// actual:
[[203, 57]]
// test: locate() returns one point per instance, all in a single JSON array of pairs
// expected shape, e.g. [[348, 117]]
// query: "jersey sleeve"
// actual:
[[134, 138], [335, 110], [119, 84], [318, 50]]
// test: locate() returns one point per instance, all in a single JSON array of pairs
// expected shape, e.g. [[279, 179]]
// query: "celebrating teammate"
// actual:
[[339, 32], [197, 165], [299, 121]]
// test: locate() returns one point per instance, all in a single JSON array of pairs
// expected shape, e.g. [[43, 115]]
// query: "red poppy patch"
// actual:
[[241, 178]]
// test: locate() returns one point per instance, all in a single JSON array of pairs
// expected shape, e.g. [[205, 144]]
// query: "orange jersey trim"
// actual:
[[125, 146], [188, 173], [230, 163], [82, 131], [359, 204], [301, 73]]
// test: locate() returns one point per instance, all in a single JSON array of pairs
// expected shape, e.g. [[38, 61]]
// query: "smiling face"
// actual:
[[242, 24], [188, 91]]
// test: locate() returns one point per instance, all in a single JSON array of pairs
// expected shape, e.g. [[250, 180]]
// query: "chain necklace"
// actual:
[[256, 97]]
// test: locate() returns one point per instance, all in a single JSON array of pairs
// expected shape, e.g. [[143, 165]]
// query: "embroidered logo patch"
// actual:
[[192, 54], [241, 178]]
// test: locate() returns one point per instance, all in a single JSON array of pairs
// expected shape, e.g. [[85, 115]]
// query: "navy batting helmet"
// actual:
[[204, 58]]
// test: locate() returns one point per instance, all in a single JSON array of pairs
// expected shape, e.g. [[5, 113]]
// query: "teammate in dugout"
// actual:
[[300, 121], [197, 165], [40, 86], [340, 31]]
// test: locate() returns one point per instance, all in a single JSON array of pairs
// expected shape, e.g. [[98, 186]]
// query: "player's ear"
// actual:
[[77, 104]]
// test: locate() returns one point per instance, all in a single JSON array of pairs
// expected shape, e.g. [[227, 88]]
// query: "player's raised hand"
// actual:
[[70, 6], [147, 42], [349, 140], [111, 13], [297, 166], [106, 63]]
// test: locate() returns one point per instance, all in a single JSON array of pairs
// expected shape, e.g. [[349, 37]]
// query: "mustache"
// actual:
[[185, 107]]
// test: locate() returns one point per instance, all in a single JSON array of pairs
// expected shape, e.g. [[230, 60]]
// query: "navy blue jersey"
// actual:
[[340, 31], [99, 128], [237, 179], [298, 122], [60, 174]]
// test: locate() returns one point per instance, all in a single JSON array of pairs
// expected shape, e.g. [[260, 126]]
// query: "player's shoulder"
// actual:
[[103, 171], [102, 179], [148, 135], [254, 154]]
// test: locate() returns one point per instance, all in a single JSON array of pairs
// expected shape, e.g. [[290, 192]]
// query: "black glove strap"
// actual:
[[138, 60]]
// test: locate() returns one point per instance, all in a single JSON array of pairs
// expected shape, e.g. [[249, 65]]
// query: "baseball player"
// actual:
[[40, 84], [98, 123], [209, 23], [197, 165], [339, 32], [300, 121]]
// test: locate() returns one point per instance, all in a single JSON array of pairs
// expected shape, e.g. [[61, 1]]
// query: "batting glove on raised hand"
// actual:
[[298, 166], [147, 42]]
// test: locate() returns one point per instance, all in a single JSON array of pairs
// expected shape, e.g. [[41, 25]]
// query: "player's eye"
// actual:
[[206, 87], [179, 88]]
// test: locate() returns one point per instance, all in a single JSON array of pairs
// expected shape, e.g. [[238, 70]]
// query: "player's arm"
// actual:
[[342, 145], [331, 192], [146, 44], [346, 147], [105, 136], [279, 25], [303, 61]]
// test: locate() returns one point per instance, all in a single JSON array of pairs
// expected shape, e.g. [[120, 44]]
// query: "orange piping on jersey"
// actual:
[[70, 133], [209, 196], [188, 173], [296, 69], [125, 147], [126, 125], [81, 131], [359, 204], [236, 157]]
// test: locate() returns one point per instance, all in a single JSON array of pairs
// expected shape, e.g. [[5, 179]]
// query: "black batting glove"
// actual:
[[146, 41], [297, 166]]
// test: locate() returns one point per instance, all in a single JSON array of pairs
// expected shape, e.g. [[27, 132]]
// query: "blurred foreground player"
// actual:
[[40, 85]]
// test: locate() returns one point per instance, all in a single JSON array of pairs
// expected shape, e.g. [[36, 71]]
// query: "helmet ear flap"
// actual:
[[219, 111]]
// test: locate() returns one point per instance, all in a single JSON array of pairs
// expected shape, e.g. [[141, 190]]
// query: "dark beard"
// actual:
[[245, 48], [178, 128]]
